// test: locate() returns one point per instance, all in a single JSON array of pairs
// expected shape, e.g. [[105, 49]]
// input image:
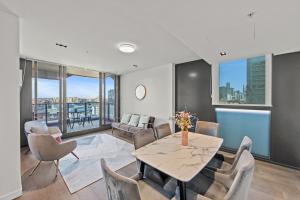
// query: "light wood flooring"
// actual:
[[270, 182]]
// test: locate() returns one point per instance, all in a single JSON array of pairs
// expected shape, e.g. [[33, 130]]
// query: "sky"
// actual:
[[234, 72], [77, 86]]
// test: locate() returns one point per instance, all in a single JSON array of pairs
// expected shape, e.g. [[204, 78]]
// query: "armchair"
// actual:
[[45, 148]]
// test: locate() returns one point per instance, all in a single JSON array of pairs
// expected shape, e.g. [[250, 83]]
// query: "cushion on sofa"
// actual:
[[134, 120], [125, 118], [124, 127], [39, 129], [143, 119], [115, 124]]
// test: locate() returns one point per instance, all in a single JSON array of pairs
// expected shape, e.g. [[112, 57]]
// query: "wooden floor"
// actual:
[[270, 182]]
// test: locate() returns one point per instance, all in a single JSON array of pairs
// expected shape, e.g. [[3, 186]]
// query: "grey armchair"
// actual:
[[163, 130], [123, 188], [207, 128], [217, 186], [45, 148], [224, 163]]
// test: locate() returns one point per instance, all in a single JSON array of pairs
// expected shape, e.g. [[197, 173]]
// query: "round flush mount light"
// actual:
[[127, 47], [223, 53]]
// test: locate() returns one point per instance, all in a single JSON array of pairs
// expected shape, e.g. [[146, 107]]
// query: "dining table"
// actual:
[[183, 163]]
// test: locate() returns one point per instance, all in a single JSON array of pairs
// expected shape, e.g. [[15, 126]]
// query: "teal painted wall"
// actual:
[[237, 123]]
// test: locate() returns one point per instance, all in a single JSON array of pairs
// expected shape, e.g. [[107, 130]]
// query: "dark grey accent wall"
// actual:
[[193, 89], [25, 98], [285, 122]]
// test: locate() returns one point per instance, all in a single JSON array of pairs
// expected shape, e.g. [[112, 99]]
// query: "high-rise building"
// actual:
[[255, 91]]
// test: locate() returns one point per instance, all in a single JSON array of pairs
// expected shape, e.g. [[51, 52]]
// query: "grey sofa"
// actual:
[[148, 127]]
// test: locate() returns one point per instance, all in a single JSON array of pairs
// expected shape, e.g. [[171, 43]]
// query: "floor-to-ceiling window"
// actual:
[[46, 95], [110, 98], [82, 99], [74, 99]]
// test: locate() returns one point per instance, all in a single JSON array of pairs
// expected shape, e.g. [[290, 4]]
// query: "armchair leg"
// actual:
[[57, 164], [35, 168], [75, 155]]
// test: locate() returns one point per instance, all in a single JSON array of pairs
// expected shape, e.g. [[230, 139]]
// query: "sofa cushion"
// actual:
[[134, 120], [143, 119], [39, 129], [125, 118], [115, 124], [124, 127], [134, 129]]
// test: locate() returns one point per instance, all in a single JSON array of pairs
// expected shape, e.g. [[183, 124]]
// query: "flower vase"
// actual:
[[185, 137]]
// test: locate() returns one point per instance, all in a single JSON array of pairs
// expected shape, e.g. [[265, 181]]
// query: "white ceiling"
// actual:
[[165, 31]]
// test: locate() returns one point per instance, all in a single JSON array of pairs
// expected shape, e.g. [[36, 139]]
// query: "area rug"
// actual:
[[78, 174]]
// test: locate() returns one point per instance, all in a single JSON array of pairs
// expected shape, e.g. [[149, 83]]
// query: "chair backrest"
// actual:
[[246, 144], [41, 146], [143, 138], [207, 128], [243, 176], [119, 187], [163, 130]]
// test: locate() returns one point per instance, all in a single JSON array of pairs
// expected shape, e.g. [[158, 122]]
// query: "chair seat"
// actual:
[[207, 187], [216, 163], [148, 192]]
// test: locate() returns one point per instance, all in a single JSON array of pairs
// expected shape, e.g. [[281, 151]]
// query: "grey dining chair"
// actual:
[[209, 185], [226, 163], [163, 130], [139, 140], [45, 148], [207, 128], [119, 187]]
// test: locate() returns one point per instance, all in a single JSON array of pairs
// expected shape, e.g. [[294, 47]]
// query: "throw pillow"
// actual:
[[134, 120], [125, 118], [144, 119], [39, 130]]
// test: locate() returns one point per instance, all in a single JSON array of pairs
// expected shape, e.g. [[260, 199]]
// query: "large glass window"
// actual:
[[110, 98], [72, 98], [243, 81], [82, 99], [46, 98]]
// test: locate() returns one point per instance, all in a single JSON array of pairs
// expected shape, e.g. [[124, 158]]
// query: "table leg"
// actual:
[[182, 189], [142, 168]]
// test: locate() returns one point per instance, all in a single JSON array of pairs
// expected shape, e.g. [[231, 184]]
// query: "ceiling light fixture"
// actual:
[[223, 53], [127, 47]]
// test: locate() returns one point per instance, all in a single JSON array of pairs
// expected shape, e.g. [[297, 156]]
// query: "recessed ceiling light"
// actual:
[[127, 47], [223, 53]]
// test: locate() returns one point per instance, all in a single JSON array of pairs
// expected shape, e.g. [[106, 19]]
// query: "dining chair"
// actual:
[[163, 130], [139, 140], [119, 187], [211, 185], [45, 148], [226, 163], [207, 128]]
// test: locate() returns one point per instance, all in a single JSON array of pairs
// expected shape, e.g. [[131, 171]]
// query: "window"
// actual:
[[243, 81], [109, 98]]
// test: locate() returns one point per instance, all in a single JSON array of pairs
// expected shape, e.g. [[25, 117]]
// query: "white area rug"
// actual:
[[78, 174]]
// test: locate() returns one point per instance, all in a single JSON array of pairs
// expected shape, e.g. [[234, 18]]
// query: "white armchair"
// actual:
[[45, 148]]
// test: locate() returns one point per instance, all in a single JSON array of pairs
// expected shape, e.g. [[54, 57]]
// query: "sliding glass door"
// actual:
[[46, 98], [82, 100], [74, 99]]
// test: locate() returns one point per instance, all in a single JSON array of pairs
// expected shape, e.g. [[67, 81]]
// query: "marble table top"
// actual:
[[180, 162]]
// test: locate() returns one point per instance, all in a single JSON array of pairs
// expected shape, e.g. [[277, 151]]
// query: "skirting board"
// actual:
[[12, 195]]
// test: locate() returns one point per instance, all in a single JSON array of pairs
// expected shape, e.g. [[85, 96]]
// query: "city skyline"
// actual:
[[77, 86]]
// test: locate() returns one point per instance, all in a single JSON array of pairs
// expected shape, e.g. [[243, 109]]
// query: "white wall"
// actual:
[[159, 100], [10, 175]]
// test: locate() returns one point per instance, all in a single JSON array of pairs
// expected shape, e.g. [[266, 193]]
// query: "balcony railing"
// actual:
[[78, 114]]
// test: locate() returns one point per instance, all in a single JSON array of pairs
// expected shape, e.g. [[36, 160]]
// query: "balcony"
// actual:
[[79, 116]]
